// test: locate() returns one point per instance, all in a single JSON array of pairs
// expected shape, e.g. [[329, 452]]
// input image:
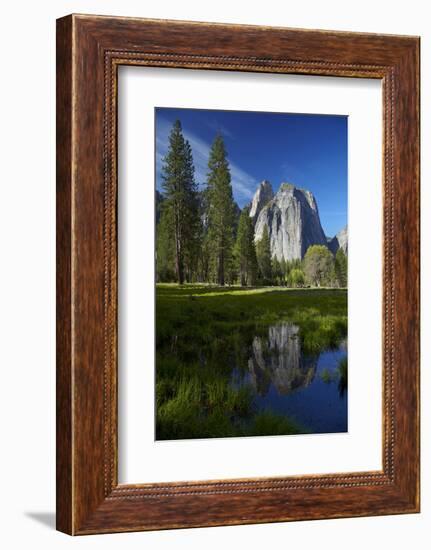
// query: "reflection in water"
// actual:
[[278, 360], [289, 382]]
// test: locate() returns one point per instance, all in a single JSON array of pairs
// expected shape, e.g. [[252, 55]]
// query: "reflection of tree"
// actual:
[[342, 372], [278, 359]]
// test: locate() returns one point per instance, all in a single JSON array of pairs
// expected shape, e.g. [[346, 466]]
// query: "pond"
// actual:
[[309, 389]]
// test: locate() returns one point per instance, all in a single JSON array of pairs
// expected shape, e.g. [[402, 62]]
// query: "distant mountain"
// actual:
[[292, 218], [339, 241], [291, 215]]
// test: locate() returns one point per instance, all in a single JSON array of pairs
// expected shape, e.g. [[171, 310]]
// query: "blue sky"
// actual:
[[309, 151]]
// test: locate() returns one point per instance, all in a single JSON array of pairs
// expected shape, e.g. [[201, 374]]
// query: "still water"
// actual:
[[307, 388]]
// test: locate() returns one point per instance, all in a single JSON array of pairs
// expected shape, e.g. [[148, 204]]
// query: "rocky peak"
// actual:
[[263, 195], [339, 241], [288, 189], [293, 222]]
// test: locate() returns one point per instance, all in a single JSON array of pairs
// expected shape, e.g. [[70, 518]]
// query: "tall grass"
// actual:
[[216, 410], [201, 408], [326, 376], [203, 332]]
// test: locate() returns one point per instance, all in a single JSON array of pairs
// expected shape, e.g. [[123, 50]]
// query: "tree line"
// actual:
[[201, 238]]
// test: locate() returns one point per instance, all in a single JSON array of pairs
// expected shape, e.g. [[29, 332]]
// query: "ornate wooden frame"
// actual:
[[89, 51]]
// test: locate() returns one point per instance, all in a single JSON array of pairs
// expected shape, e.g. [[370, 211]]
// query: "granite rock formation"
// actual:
[[293, 222], [339, 241], [261, 198]]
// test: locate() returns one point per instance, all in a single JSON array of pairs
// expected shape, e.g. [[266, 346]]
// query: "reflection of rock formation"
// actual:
[[277, 359]]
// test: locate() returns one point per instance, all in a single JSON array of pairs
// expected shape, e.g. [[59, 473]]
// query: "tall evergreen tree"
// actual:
[[193, 242], [245, 251], [277, 273], [180, 199], [263, 253], [165, 247], [341, 268], [220, 211]]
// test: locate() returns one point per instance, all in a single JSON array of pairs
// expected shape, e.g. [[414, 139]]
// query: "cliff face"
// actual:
[[339, 241], [291, 215], [293, 222], [261, 198]]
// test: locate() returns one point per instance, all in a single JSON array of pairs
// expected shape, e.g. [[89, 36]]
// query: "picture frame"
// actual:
[[89, 51]]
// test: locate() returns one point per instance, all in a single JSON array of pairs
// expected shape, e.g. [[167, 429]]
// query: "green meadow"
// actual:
[[204, 332]]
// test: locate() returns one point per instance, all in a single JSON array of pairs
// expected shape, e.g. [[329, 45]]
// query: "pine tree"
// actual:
[[284, 270], [165, 248], [193, 241], [204, 264], [245, 251], [180, 200], [263, 253], [277, 274], [220, 211], [341, 268]]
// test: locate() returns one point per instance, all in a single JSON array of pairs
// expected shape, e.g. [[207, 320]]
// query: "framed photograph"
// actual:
[[237, 274]]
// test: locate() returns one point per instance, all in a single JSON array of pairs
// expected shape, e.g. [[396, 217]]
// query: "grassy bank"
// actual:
[[203, 333]]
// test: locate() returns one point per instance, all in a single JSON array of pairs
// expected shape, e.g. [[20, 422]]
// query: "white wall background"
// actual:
[[27, 289]]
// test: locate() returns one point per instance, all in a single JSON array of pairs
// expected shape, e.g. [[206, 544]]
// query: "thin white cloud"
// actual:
[[217, 127], [243, 184]]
